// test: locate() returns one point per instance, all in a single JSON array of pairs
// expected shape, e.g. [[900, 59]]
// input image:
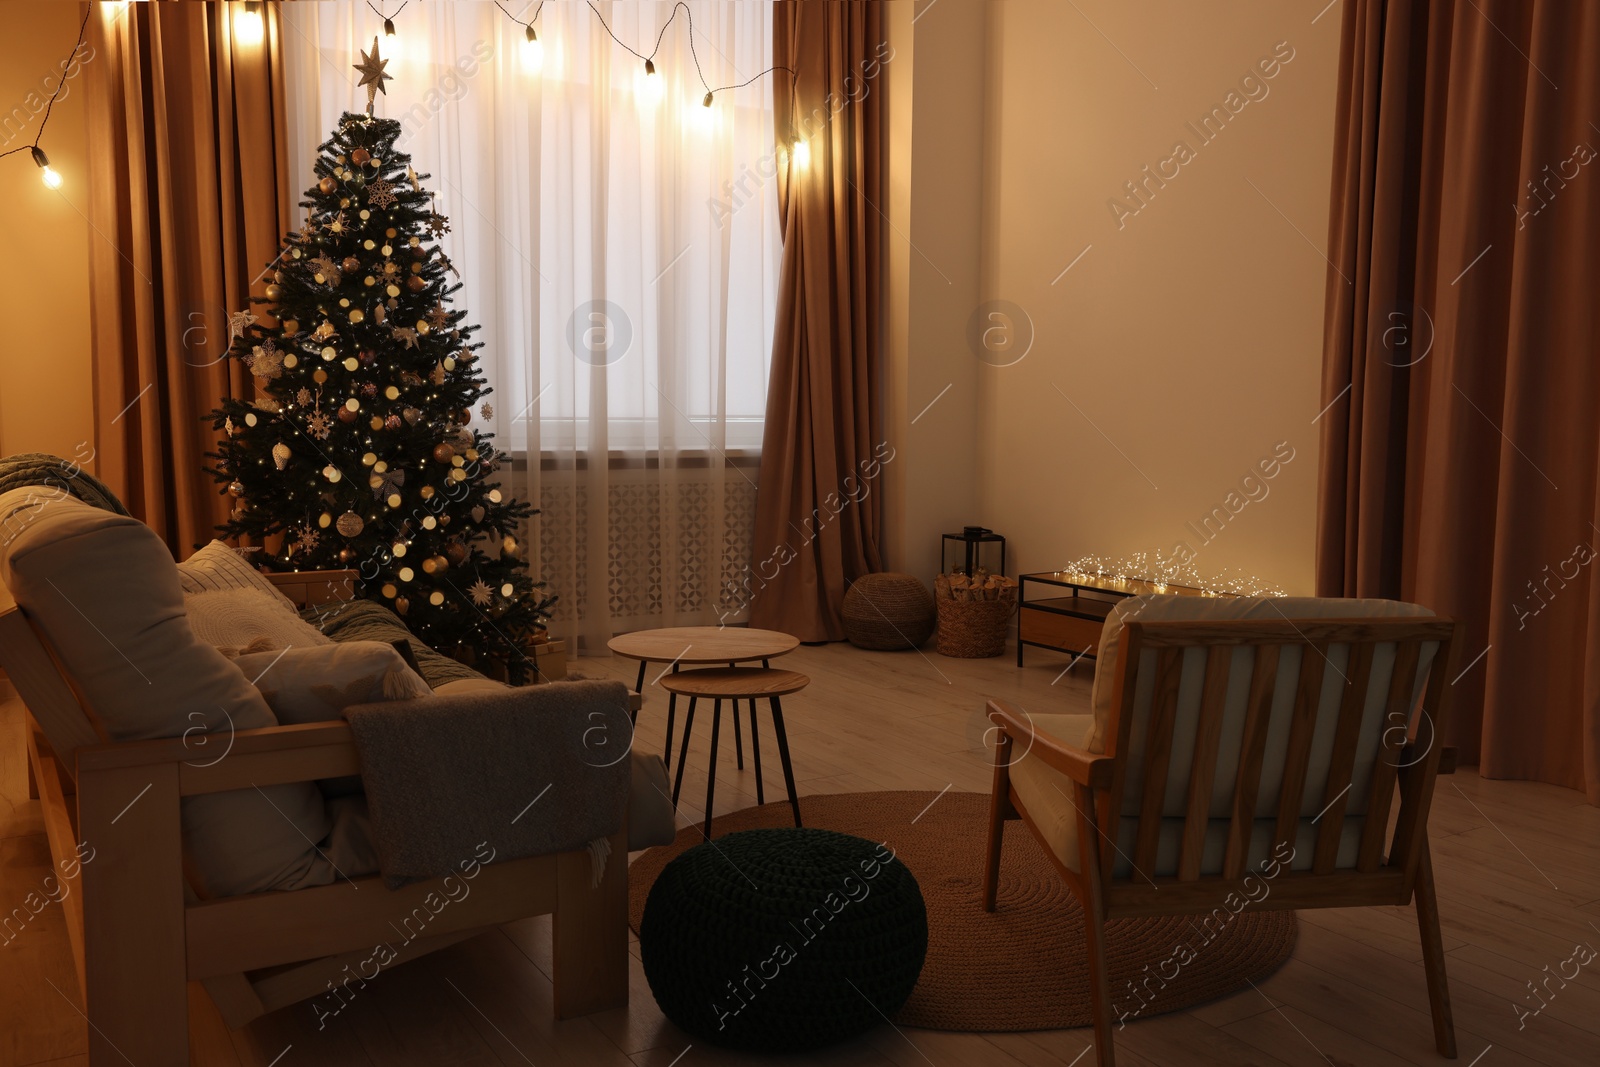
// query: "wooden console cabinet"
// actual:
[[1068, 611]]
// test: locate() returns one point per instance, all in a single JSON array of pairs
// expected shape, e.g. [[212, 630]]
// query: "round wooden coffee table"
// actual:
[[735, 684], [698, 646]]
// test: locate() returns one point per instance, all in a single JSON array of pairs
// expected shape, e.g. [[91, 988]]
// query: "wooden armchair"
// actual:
[[139, 933], [1226, 741]]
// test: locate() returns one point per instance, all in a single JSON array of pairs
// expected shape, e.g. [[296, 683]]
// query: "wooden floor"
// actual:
[[1519, 886]]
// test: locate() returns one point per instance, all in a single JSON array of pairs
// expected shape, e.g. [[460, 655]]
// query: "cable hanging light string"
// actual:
[[532, 48], [52, 179]]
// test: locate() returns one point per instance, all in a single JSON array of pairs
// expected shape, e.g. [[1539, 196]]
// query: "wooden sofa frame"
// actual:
[[1392, 867], [139, 933]]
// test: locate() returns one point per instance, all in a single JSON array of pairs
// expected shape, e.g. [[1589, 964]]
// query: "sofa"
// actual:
[[207, 685]]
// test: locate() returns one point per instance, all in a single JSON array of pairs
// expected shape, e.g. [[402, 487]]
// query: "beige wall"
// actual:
[[1183, 349], [933, 245], [45, 397]]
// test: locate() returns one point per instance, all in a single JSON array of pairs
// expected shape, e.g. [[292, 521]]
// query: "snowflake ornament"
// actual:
[[318, 425], [438, 224], [380, 194], [303, 397], [406, 334], [438, 318], [487, 411], [328, 269], [306, 539]]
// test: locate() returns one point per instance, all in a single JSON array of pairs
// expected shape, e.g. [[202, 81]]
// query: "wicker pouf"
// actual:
[[888, 612], [783, 940]]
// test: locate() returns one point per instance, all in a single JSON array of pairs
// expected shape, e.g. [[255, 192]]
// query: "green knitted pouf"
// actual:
[[783, 940]]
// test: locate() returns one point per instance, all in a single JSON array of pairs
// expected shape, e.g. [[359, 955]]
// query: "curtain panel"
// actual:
[[187, 201], [617, 241], [824, 425], [1461, 436]]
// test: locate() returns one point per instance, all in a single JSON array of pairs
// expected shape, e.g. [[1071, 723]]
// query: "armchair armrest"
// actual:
[[1082, 767], [223, 761]]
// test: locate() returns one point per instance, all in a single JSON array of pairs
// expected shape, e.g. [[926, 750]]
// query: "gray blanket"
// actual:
[[489, 776]]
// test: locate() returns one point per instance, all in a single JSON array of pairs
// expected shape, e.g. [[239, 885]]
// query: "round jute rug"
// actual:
[[1022, 967]]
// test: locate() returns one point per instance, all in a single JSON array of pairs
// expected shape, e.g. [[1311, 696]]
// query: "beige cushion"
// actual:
[[1047, 796], [104, 591], [217, 566], [238, 619], [316, 684]]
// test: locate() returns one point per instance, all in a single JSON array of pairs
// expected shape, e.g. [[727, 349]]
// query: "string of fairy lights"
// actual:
[[249, 28], [1161, 573], [533, 47], [52, 178]]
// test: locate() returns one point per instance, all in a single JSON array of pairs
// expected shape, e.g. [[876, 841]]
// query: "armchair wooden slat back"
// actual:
[[1231, 739], [1198, 705]]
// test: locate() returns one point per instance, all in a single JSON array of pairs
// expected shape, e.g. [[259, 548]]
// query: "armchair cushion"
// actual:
[[105, 593], [1047, 795], [1168, 608]]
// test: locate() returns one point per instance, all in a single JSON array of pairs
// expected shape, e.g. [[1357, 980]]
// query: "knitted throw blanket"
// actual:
[[41, 468], [491, 776]]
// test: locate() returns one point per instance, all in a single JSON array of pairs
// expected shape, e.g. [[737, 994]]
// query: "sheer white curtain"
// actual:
[[618, 243]]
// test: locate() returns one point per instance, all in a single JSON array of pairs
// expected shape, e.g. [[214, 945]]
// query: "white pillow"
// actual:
[[218, 566], [304, 685], [240, 618]]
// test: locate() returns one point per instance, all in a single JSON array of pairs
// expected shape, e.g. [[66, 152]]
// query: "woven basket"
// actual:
[[973, 629], [888, 612]]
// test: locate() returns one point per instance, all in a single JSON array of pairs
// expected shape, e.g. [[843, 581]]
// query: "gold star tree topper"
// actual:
[[372, 75]]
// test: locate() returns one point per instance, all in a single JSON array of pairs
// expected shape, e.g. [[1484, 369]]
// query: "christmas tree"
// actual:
[[358, 452]]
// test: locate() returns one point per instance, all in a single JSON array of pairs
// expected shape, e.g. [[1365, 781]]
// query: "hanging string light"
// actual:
[[51, 178], [532, 48], [391, 40]]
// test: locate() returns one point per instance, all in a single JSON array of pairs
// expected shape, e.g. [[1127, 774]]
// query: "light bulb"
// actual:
[[51, 178], [248, 27], [648, 88], [707, 101], [391, 41], [532, 53], [800, 154]]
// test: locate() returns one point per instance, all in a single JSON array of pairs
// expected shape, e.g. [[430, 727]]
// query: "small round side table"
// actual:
[[696, 646], [735, 684]]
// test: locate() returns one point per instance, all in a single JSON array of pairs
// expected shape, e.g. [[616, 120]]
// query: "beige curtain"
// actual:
[[1461, 438], [823, 417], [188, 201]]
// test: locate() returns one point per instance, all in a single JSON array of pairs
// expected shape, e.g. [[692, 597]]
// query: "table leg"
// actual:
[[738, 741], [638, 687], [711, 770], [683, 753], [755, 748], [672, 711], [783, 754]]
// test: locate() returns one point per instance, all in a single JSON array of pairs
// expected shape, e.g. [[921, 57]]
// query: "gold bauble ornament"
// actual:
[[273, 292], [442, 452], [360, 155], [327, 185], [426, 492], [457, 553], [236, 488], [351, 264], [291, 326], [416, 284], [346, 415], [350, 525], [291, 360], [280, 455]]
